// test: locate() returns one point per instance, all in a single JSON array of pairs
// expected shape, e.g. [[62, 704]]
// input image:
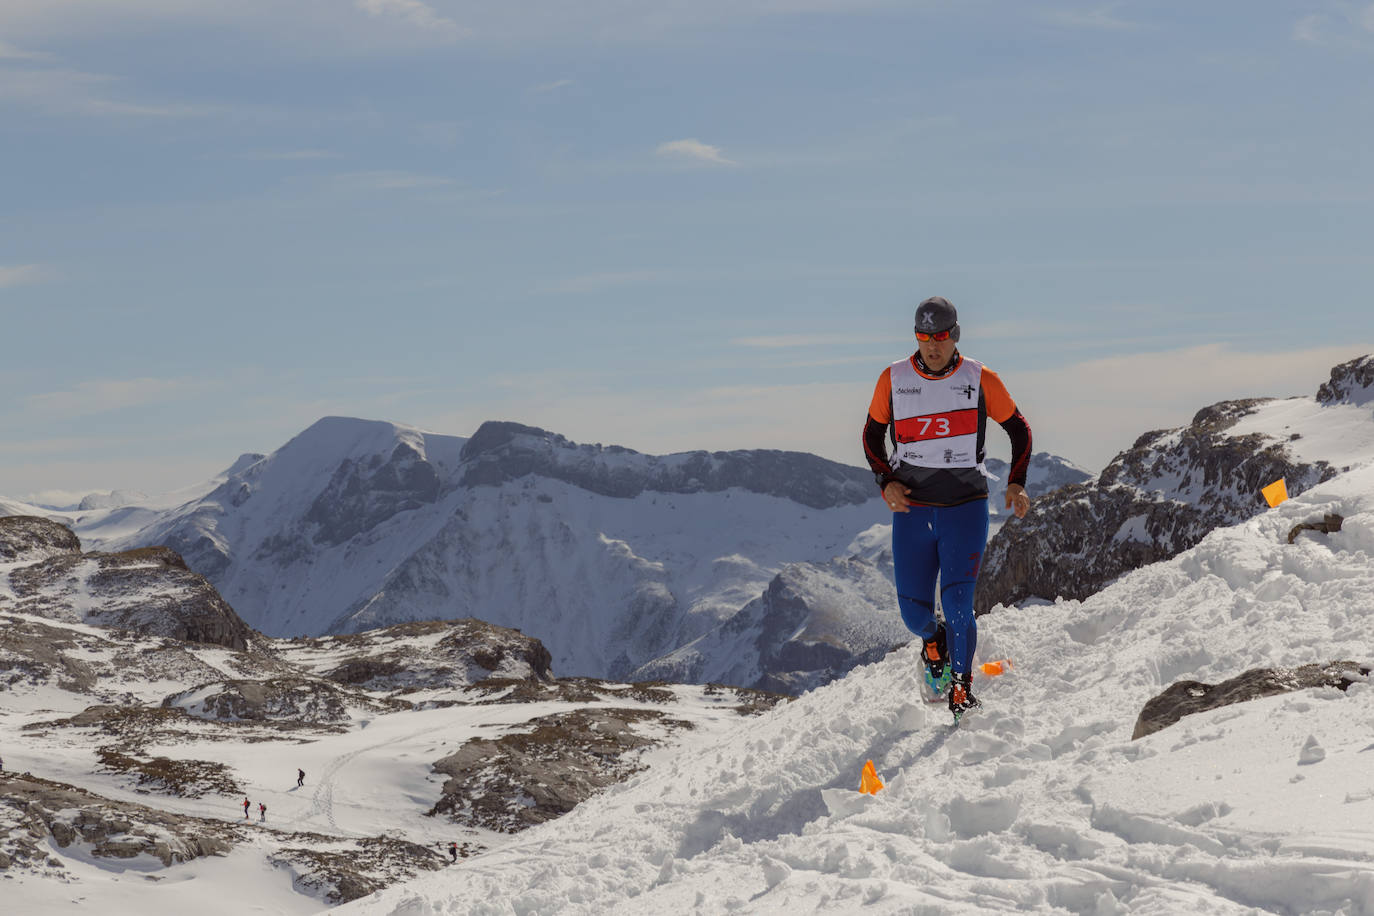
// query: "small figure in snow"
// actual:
[[453, 851], [245, 807], [262, 811], [300, 777], [935, 404]]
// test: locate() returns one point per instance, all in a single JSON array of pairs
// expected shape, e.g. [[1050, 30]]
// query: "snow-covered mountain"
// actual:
[[623, 564], [1172, 487]]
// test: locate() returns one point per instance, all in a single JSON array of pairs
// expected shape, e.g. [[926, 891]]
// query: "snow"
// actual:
[[1038, 803]]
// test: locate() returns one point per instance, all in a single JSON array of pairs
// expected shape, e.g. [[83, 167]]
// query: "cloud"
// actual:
[[1308, 28], [298, 155], [693, 150], [64, 91], [1102, 17], [385, 180], [412, 12], [783, 341], [22, 275], [598, 282], [10, 52], [551, 87], [103, 395]]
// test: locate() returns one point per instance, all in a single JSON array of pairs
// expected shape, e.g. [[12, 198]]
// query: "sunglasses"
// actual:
[[922, 336]]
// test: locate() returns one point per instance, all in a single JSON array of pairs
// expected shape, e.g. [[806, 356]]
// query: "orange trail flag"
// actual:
[[869, 783], [1276, 492]]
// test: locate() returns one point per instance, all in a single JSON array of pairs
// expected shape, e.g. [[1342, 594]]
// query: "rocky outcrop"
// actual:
[[31, 539], [401, 658], [500, 452], [1153, 501], [148, 590], [1350, 383], [289, 699], [525, 778], [112, 830], [37, 815], [1188, 697]]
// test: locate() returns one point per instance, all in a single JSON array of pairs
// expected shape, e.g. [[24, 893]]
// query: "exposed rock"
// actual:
[[338, 876], [148, 590], [361, 495], [294, 699], [1351, 383], [525, 778], [28, 538], [502, 451], [1329, 523], [1185, 698], [402, 658], [1152, 502]]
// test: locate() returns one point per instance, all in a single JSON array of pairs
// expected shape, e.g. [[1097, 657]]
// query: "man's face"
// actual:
[[936, 353]]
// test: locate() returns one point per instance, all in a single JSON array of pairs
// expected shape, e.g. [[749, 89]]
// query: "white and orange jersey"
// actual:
[[937, 427]]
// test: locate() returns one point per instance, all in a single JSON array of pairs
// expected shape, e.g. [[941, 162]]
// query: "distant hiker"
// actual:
[[453, 851], [262, 811], [300, 778], [935, 404], [245, 807]]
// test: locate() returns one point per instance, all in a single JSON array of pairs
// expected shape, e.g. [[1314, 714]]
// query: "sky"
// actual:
[[668, 226]]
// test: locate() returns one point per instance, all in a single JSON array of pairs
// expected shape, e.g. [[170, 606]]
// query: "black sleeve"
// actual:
[[875, 450], [1019, 431]]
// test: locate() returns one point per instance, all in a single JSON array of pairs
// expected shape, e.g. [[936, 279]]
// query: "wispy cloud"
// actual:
[[10, 52], [693, 150], [1309, 28], [64, 91], [784, 341], [102, 395], [22, 275], [415, 13], [290, 155], [551, 87], [385, 180], [599, 282], [1102, 17]]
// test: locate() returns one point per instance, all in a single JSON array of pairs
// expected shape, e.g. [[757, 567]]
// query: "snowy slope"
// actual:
[[1039, 803]]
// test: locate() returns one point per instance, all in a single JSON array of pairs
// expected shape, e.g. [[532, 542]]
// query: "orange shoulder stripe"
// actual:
[[880, 408], [999, 402]]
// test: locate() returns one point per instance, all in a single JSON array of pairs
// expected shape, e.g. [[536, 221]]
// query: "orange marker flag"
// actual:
[[869, 783], [1276, 492], [992, 669]]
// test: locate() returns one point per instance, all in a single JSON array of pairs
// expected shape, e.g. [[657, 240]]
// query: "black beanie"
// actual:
[[935, 315]]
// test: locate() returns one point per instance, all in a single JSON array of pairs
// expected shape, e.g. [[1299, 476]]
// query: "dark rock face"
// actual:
[[499, 452], [30, 537], [361, 496], [1152, 502], [1350, 383], [1188, 697]]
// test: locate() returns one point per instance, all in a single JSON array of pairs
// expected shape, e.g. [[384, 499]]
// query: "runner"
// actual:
[[934, 405]]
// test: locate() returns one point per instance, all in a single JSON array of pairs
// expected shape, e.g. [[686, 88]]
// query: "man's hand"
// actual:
[[1017, 500], [895, 495]]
